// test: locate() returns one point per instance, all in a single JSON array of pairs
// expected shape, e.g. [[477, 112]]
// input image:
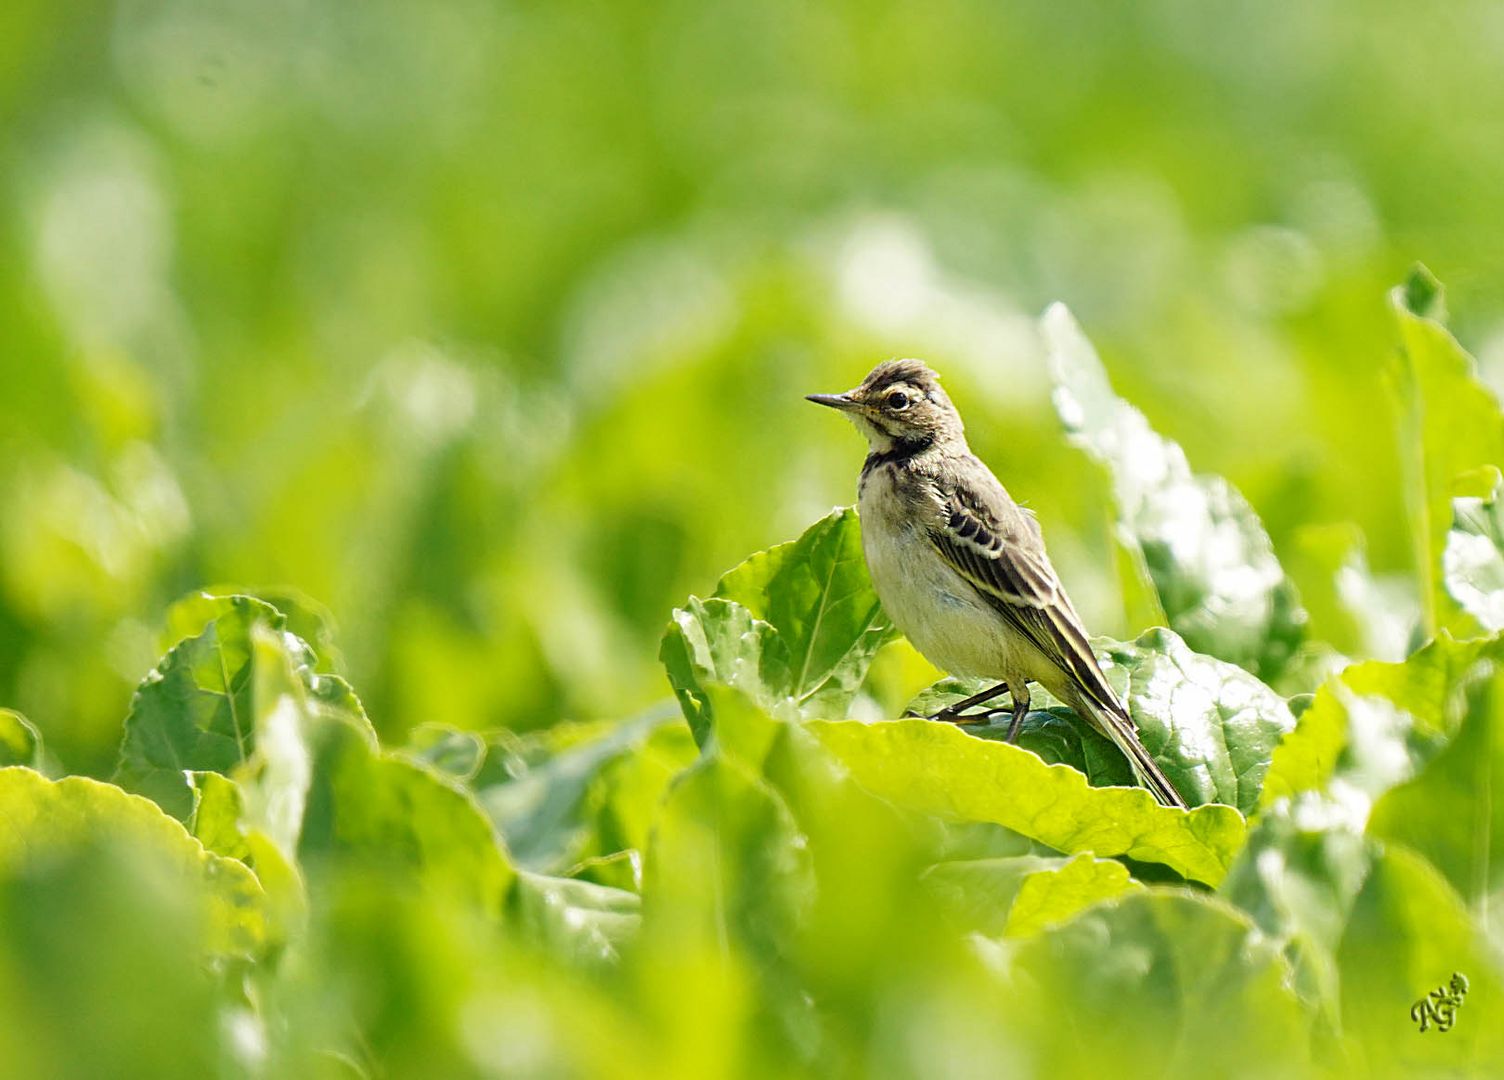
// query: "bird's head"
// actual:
[[899, 405]]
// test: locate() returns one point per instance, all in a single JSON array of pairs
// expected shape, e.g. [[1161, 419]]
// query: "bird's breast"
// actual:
[[934, 606]]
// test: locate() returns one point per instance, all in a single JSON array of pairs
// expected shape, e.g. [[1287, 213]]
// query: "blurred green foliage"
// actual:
[[486, 325], [471, 337]]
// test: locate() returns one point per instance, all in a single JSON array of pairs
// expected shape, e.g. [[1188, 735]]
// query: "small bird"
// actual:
[[961, 568]]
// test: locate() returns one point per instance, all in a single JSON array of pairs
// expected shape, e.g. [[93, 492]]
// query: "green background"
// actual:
[[487, 325]]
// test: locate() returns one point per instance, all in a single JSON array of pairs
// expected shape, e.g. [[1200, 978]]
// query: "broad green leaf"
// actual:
[[1376, 722], [1157, 983], [46, 817], [1407, 934], [1473, 561], [1211, 726], [575, 920], [1210, 562], [558, 798], [1449, 812], [302, 615], [815, 592], [20, 742], [1020, 895], [195, 712], [719, 642], [381, 812], [1298, 877], [939, 769], [727, 889], [726, 858], [1450, 429]]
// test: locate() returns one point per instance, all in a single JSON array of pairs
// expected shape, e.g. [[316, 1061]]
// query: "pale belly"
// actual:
[[939, 611]]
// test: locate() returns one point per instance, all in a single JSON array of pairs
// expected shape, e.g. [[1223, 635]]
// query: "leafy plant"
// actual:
[[774, 881]]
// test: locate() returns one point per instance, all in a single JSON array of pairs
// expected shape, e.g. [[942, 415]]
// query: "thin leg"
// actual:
[[1020, 709], [952, 713]]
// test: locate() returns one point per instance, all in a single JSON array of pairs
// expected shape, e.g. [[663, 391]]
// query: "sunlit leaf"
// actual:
[[1473, 560], [1124, 975], [44, 818], [940, 769], [719, 642], [20, 742], [1211, 726], [1298, 877], [1408, 934], [1376, 722], [815, 592], [1210, 561], [1452, 431], [1020, 895], [1449, 812], [579, 921], [196, 712]]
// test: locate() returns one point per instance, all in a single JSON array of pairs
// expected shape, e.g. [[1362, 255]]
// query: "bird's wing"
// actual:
[[996, 546]]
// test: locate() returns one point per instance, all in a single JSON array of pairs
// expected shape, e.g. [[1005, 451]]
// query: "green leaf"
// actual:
[[939, 769], [815, 593], [195, 711], [383, 813], [20, 742], [44, 818], [1211, 563], [218, 809], [1162, 983], [1450, 428], [1473, 560], [719, 642], [1021, 895], [582, 922], [1448, 812], [1298, 877], [1408, 933], [550, 794], [727, 886], [1357, 612], [304, 616], [1211, 726], [1376, 722]]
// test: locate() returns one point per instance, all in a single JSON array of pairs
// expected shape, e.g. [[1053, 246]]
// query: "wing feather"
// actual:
[[996, 546]]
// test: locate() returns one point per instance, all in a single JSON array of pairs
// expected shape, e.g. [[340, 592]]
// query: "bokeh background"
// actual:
[[487, 324]]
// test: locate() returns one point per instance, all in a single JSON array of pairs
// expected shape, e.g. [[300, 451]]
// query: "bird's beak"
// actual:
[[835, 401]]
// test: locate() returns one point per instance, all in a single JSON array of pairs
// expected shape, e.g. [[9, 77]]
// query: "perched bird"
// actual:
[[961, 568]]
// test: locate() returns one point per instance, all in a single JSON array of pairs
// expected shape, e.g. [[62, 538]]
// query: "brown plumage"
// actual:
[[962, 569]]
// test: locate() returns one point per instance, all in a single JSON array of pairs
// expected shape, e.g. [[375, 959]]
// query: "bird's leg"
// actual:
[[1020, 709], [952, 713]]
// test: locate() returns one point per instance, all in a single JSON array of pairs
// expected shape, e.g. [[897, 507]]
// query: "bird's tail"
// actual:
[[1117, 726]]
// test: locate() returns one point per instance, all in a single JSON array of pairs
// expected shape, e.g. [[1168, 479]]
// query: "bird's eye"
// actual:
[[897, 401]]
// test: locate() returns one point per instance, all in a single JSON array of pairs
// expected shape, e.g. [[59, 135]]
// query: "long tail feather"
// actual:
[[1117, 726]]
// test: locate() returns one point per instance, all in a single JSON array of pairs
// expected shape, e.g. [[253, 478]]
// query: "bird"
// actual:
[[961, 569]]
